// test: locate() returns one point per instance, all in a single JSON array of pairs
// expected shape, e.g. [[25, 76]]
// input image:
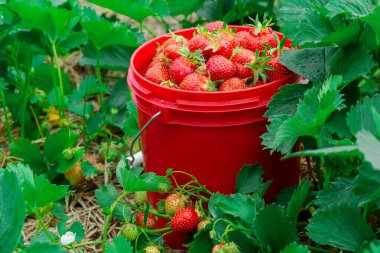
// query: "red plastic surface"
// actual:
[[209, 135]]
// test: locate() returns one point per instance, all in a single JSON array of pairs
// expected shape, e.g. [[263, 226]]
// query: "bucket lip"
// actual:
[[142, 47]]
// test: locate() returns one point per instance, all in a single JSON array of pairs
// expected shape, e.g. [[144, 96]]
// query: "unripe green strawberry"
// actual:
[[225, 248], [68, 153], [174, 202], [163, 188], [203, 224], [130, 231], [185, 220], [141, 197], [152, 249]]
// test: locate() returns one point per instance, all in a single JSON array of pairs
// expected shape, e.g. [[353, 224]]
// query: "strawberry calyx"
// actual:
[[169, 84], [261, 27], [259, 65], [195, 58]]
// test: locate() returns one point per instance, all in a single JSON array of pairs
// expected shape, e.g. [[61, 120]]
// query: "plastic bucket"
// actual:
[[209, 135]]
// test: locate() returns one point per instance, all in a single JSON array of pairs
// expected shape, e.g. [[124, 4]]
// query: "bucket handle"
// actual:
[[138, 135]]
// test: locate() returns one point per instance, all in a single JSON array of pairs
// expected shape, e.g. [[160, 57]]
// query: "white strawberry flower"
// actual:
[[68, 238]]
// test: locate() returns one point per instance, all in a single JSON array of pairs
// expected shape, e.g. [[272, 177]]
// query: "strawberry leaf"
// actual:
[[370, 147], [369, 247], [76, 227], [103, 33], [274, 229], [138, 10], [303, 21], [46, 192], [351, 8], [30, 153], [106, 196], [119, 245], [295, 248], [202, 242], [12, 211], [362, 117], [43, 247], [373, 20], [340, 226], [249, 179], [366, 185], [297, 201], [89, 86]]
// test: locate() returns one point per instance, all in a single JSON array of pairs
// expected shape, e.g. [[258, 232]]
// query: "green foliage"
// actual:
[[249, 179], [353, 228], [119, 245], [295, 248], [12, 211]]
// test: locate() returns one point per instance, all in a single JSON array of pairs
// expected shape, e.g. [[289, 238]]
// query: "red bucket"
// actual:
[[209, 135]]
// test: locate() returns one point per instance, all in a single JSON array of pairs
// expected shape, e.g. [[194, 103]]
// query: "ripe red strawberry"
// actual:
[[213, 26], [225, 248], [141, 197], [243, 71], [174, 40], [241, 57], [278, 71], [174, 202], [171, 51], [151, 222], [152, 249], [263, 34], [185, 220], [130, 231], [158, 58], [266, 39], [220, 68], [200, 42], [231, 84], [158, 73], [245, 40], [220, 46], [196, 82]]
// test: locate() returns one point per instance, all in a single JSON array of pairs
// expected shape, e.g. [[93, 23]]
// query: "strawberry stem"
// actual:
[[43, 226], [165, 229]]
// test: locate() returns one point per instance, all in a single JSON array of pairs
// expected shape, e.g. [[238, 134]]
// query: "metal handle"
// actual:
[[138, 135]]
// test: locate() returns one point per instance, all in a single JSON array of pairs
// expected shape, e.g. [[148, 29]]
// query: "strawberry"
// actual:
[[158, 73], [278, 71], [180, 68], [185, 220], [174, 40], [197, 82], [200, 42], [220, 46], [231, 84], [261, 41], [158, 58], [169, 84], [175, 201], [225, 248], [263, 34], [74, 175], [152, 249], [241, 57], [203, 224], [172, 51], [141, 197], [220, 68], [130, 231], [245, 40], [213, 26], [151, 221]]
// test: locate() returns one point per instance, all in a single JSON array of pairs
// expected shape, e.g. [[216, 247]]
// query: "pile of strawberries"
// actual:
[[219, 58]]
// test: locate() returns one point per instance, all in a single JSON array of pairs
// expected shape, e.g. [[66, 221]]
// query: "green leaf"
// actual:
[[312, 63], [88, 169], [249, 179], [295, 248], [131, 126], [344, 35], [138, 10], [367, 185], [274, 229], [76, 227], [202, 242], [119, 245], [360, 116], [115, 57], [72, 42], [12, 211], [47, 192], [55, 22], [339, 192], [340, 226], [96, 122], [369, 247], [178, 7], [44, 247], [286, 100], [373, 20], [54, 146], [89, 86], [352, 62], [103, 33], [370, 147], [297, 201], [303, 22], [145, 182], [106, 196], [351, 8], [30, 153], [240, 206], [270, 136]]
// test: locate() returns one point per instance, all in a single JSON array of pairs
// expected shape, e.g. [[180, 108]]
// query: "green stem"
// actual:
[[165, 229], [321, 170], [99, 75], [83, 244], [150, 211], [6, 116], [42, 224], [36, 120], [62, 91], [56, 89], [24, 103], [108, 219], [149, 30]]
